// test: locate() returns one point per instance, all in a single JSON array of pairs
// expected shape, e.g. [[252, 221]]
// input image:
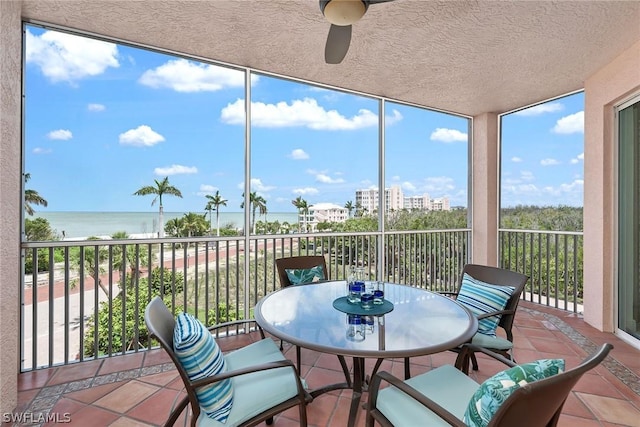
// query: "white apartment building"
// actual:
[[440, 204], [417, 202], [368, 199], [396, 201], [324, 212]]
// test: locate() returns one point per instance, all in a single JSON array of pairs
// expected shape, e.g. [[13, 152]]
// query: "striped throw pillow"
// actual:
[[201, 357], [481, 298]]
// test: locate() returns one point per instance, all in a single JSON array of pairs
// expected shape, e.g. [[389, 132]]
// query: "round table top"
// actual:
[[421, 322]]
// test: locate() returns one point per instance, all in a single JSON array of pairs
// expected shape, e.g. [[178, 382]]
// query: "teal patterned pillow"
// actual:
[[493, 392], [201, 357], [299, 276], [481, 298]]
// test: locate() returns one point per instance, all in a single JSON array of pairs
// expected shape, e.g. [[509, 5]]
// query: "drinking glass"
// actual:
[[378, 292], [355, 327], [366, 301]]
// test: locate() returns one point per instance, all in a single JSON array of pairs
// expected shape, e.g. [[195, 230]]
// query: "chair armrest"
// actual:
[[470, 348], [248, 370], [495, 313], [448, 293], [413, 393], [213, 328], [177, 411]]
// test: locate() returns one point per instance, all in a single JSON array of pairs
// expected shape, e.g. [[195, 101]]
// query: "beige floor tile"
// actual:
[[616, 411], [128, 422], [126, 397]]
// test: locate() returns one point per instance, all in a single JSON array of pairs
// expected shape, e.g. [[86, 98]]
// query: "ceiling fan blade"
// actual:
[[337, 45]]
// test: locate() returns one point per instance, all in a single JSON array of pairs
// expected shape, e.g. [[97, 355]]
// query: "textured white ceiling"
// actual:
[[459, 56]]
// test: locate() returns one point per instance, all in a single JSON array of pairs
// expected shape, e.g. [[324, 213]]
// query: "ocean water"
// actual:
[[75, 225]]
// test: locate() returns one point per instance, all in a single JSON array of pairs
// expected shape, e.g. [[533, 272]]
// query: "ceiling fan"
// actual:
[[342, 14]]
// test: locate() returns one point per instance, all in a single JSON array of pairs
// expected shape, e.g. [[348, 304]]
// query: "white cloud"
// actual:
[[527, 176], [448, 135], [326, 179], [573, 123], [142, 136], [257, 185], [96, 107], [407, 186], [577, 159], [60, 134], [549, 162], [207, 189], [516, 159], [306, 191], [68, 58], [300, 113], [175, 170], [299, 154], [570, 194], [39, 150], [182, 75], [395, 118], [541, 109], [438, 185]]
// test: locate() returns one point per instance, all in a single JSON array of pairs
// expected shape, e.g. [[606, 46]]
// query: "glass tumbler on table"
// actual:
[[355, 327], [366, 300], [378, 293]]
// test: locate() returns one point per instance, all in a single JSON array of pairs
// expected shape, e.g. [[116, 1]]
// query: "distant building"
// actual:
[[324, 212], [396, 201], [440, 204]]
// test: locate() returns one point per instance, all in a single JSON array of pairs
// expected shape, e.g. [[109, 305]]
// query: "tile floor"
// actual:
[[139, 389]]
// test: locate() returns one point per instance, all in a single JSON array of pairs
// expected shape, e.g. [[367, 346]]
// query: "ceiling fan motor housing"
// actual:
[[343, 12]]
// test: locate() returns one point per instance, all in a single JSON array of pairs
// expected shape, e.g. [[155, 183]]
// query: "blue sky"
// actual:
[[103, 120]]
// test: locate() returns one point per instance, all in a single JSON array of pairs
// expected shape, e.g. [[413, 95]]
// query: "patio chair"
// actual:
[[492, 314], [303, 269], [528, 395], [241, 388]]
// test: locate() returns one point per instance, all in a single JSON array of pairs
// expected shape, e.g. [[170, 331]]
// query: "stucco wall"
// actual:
[[10, 110], [484, 222], [603, 90]]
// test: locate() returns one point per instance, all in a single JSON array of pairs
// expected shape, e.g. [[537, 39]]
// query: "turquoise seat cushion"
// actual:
[[494, 342], [486, 401], [446, 386], [201, 357], [482, 298], [256, 392], [300, 276]]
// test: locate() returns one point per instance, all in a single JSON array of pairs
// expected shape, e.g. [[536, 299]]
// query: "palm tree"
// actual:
[[31, 197], [255, 202], [349, 206], [90, 260], [261, 204], [193, 224], [299, 203], [214, 204], [161, 188], [359, 209], [128, 255]]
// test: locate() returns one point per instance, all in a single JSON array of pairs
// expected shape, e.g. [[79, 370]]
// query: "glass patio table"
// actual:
[[420, 323]]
